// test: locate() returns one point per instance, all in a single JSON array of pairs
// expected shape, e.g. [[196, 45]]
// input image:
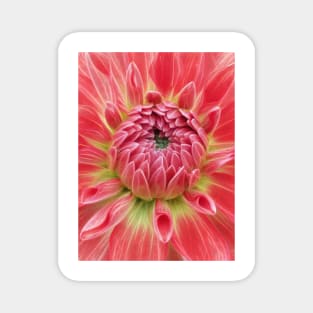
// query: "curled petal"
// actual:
[[200, 202], [153, 97], [108, 216], [187, 96], [162, 222], [134, 84], [101, 191]]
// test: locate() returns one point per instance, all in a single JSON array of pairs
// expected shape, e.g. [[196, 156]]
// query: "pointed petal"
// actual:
[[108, 216], [101, 191], [134, 85], [197, 152], [158, 183], [128, 174], [112, 115], [200, 202], [162, 221], [212, 119], [140, 186], [177, 184], [162, 71], [187, 96]]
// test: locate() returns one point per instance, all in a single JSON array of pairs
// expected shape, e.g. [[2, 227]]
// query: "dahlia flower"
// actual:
[[156, 156]]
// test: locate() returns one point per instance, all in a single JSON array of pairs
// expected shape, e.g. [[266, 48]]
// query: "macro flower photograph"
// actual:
[[156, 156]]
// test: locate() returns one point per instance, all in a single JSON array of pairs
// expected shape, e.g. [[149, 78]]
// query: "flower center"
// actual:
[[160, 141], [158, 150]]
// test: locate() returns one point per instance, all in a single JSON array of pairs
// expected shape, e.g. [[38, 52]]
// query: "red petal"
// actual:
[[91, 125], [141, 243], [218, 159], [200, 237], [112, 115], [101, 191], [187, 96], [212, 119], [162, 71], [100, 81], [110, 215], [217, 88], [94, 249], [162, 221], [134, 85], [153, 97]]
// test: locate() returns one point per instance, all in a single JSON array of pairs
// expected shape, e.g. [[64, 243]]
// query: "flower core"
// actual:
[[158, 150]]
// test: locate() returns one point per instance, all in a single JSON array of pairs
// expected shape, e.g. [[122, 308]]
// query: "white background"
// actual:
[[30, 32]]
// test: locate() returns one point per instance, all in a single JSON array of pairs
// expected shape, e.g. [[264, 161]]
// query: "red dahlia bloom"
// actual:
[[156, 156]]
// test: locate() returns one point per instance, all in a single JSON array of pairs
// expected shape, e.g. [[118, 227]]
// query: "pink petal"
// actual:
[[158, 183], [119, 138], [186, 157], [162, 222], [140, 186], [197, 152], [108, 216], [134, 85], [193, 178], [101, 191], [200, 202], [187, 96], [128, 174], [177, 184]]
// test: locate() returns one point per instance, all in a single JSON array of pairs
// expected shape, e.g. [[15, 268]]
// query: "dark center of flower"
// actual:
[[158, 150], [161, 142]]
